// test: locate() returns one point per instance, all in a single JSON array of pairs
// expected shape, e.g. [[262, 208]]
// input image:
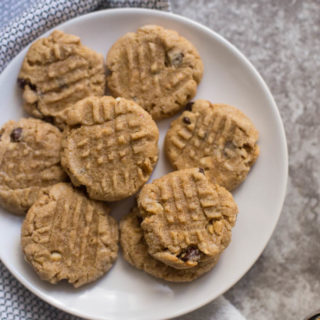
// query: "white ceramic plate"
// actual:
[[126, 293]]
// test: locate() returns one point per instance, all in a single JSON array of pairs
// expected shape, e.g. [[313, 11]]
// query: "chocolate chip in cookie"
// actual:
[[30, 163], [51, 83], [187, 220], [135, 251], [164, 70], [16, 135], [216, 137]]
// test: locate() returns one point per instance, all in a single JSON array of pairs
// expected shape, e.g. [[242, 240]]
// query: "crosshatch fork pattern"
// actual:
[[157, 68], [135, 251], [114, 150], [183, 209], [16, 302], [58, 71], [216, 137], [64, 229]]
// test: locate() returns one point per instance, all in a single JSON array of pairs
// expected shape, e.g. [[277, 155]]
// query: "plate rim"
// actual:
[[283, 141]]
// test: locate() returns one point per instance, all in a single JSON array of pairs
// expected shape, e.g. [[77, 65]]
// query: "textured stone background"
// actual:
[[282, 39]]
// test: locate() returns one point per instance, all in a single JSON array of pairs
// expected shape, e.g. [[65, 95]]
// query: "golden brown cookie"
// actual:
[[110, 147], [216, 137], [57, 72], [29, 162], [67, 236], [186, 219], [135, 251], [155, 67]]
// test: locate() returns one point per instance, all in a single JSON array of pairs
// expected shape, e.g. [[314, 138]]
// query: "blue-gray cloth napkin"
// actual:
[[21, 21]]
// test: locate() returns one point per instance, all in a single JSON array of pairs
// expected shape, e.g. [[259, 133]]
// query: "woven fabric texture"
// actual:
[[21, 21]]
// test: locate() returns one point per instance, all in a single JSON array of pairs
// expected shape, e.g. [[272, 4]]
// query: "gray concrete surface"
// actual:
[[282, 39]]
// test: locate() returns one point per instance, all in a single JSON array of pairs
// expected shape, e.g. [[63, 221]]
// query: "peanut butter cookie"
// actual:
[[29, 162], [216, 137], [135, 251], [67, 236], [110, 147], [57, 72], [155, 67], [186, 219]]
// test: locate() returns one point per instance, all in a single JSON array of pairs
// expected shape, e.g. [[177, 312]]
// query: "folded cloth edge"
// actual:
[[219, 309], [45, 14]]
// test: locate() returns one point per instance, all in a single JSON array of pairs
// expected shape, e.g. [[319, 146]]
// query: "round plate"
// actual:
[[126, 293]]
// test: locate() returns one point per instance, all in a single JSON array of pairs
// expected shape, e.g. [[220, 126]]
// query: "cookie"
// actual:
[[135, 251], [29, 162], [216, 137], [67, 236], [58, 71], [155, 67], [110, 147], [186, 219]]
